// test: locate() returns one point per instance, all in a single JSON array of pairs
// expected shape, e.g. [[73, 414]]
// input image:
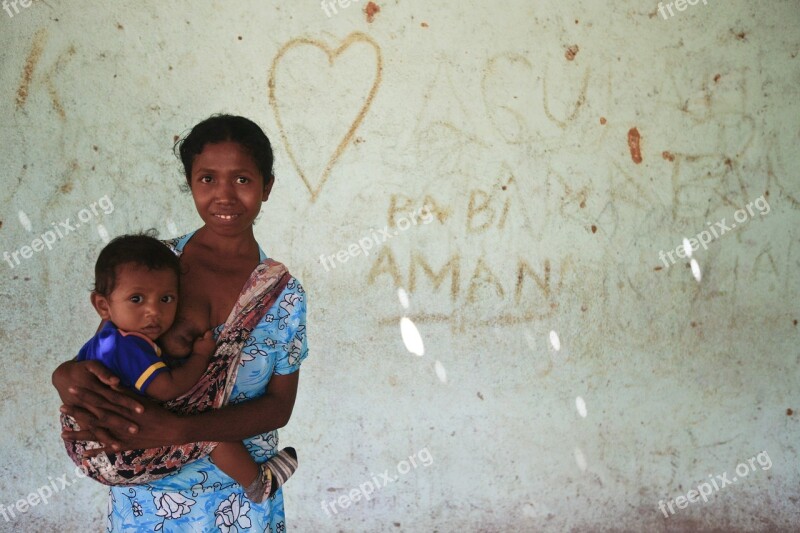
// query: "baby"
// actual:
[[136, 294]]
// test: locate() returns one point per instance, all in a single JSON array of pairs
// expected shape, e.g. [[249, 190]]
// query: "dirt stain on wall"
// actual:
[[370, 10], [571, 52], [51, 88], [34, 56], [634, 140]]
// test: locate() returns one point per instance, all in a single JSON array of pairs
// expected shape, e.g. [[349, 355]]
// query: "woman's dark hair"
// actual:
[[221, 128], [141, 249]]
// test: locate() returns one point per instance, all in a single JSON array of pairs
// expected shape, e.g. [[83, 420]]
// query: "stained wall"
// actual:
[[526, 340]]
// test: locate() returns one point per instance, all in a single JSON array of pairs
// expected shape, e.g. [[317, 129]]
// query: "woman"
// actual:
[[227, 161]]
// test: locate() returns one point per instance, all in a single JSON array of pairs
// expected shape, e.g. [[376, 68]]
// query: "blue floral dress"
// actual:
[[200, 497]]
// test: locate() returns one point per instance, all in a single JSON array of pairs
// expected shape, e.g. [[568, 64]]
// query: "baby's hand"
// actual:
[[205, 345]]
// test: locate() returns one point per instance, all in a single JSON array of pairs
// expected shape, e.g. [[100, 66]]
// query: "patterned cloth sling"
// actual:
[[212, 391]]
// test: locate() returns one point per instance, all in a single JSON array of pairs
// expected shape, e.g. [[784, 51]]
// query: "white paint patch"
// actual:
[[25, 221], [103, 232], [687, 247], [441, 373], [580, 404], [402, 295], [580, 459], [555, 342], [411, 337], [696, 270]]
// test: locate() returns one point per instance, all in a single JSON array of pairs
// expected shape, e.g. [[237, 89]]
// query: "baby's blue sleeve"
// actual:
[[137, 362]]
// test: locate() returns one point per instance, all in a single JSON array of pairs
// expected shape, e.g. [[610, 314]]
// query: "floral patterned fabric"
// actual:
[[200, 497]]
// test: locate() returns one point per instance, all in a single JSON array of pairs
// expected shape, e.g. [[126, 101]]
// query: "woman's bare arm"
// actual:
[[92, 395], [246, 419], [127, 429]]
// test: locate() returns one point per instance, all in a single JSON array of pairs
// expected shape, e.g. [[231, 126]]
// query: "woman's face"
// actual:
[[227, 188]]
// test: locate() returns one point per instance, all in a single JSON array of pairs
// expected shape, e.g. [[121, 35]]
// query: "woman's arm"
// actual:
[[92, 395], [246, 419], [155, 426], [126, 428]]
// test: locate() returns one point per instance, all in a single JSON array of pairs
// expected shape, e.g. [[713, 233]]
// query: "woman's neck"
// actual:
[[240, 245]]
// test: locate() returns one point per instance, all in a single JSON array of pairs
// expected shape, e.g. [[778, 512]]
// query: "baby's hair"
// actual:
[[141, 249], [221, 128]]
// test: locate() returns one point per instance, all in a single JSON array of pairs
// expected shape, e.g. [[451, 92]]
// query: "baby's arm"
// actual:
[[168, 385]]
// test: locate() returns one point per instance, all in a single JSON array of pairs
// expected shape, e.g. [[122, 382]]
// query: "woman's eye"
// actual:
[[205, 179], [243, 179]]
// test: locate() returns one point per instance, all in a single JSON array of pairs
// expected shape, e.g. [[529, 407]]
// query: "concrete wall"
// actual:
[[570, 378]]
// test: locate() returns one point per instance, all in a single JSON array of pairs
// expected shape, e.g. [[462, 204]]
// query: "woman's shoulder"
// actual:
[[276, 268], [293, 296], [294, 287], [176, 244], [288, 308]]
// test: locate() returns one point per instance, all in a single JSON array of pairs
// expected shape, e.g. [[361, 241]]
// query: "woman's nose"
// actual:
[[224, 194]]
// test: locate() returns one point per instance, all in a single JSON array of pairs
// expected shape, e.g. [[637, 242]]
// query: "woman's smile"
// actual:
[[226, 218]]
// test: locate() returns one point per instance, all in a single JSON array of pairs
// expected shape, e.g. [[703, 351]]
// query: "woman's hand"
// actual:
[[157, 426], [92, 395], [153, 427], [110, 414]]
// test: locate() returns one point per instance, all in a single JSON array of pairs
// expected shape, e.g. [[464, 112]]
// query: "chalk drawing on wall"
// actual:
[[516, 96], [529, 294], [314, 184], [31, 63], [444, 135], [39, 40]]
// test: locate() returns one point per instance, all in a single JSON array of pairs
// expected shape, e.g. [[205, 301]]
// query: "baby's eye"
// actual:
[[205, 179], [168, 299], [136, 299]]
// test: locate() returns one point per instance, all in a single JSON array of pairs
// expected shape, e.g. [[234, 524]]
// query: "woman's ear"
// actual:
[[268, 188], [100, 304]]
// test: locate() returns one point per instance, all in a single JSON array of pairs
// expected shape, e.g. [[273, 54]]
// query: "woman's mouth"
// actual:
[[226, 218]]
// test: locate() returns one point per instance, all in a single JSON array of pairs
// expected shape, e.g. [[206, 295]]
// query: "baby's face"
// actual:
[[143, 300]]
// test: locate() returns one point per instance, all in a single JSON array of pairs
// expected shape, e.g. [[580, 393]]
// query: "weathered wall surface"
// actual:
[[571, 378]]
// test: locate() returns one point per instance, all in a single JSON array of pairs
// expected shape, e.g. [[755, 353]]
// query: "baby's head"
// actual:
[[136, 284]]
